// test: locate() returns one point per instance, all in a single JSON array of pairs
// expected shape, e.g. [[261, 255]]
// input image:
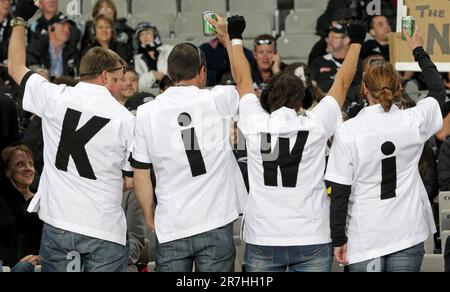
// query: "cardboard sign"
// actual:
[[433, 19]]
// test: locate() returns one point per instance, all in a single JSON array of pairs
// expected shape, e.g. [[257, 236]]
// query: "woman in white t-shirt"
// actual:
[[286, 221], [380, 212]]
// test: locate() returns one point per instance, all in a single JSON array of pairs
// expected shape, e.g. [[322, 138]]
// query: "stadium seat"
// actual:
[[164, 23], [121, 5], [445, 220], [296, 47], [151, 267], [173, 41], [302, 21], [433, 263], [444, 237], [161, 7], [6, 269], [239, 6], [258, 23], [68, 8], [188, 25], [429, 245], [444, 201], [311, 4], [199, 6]]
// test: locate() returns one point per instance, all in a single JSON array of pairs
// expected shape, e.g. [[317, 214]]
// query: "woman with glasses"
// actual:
[[380, 212]]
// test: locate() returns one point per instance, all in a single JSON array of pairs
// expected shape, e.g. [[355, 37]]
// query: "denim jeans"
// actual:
[[23, 268], [408, 260], [65, 251], [212, 251], [312, 258]]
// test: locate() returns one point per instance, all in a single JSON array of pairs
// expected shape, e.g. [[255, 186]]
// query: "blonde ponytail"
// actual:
[[386, 98]]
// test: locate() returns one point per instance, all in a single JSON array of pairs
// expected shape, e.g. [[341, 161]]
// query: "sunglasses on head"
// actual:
[[263, 42]]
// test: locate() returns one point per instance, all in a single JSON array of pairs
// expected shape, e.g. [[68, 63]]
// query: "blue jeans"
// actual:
[[408, 260], [65, 251], [312, 258], [212, 251], [23, 268]]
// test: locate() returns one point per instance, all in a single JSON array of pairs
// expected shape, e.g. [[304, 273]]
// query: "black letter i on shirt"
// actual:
[[191, 146]]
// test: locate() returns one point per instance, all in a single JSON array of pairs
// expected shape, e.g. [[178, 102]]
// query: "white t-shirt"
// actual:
[[380, 151], [81, 185], [199, 190], [290, 209]]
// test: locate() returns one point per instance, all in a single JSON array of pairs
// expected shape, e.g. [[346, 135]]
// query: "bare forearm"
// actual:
[[17, 54], [144, 193], [240, 69]]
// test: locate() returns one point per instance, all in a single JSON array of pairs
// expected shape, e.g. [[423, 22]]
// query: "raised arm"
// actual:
[[433, 79], [230, 34], [344, 78], [25, 9]]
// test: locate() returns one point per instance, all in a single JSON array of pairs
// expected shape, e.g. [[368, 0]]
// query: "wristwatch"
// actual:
[[17, 21]]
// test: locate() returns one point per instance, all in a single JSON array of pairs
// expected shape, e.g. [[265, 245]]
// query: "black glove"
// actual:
[[357, 32], [25, 9], [236, 26]]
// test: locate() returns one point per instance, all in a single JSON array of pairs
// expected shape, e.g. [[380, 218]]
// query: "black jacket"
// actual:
[[9, 127], [38, 54], [20, 231]]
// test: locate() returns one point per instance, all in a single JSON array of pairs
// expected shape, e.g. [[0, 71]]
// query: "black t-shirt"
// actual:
[[325, 68], [20, 231], [372, 47]]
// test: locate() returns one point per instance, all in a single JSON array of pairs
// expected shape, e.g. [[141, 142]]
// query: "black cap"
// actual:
[[61, 18]]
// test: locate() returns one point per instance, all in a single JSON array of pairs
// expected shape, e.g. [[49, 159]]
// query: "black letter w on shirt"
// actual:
[[289, 162], [73, 142]]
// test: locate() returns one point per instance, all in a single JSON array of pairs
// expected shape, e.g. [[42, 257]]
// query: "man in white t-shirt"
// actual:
[[184, 135], [287, 215], [87, 134]]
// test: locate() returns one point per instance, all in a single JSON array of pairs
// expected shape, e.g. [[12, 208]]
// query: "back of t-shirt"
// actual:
[[87, 134], [288, 205], [184, 134]]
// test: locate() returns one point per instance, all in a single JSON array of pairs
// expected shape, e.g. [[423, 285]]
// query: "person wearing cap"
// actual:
[[151, 60], [267, 61], [50, 15], [325, 68], [53, 50]]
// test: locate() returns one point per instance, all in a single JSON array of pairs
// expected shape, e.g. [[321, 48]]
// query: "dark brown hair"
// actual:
[[383, 83], [284, 90], [185, 62], [97, 7], [97, 60]]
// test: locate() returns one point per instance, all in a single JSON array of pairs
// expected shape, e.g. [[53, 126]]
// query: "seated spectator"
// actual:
[[51, 15], [53, 50], [340, 16], [130, 97], [105, 36], [135, 229], [267, 61], [324, 69], [5, 32], [379, 29], [9, 127], [20, 230], [124, 33], [151, 60], [218, 64]]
